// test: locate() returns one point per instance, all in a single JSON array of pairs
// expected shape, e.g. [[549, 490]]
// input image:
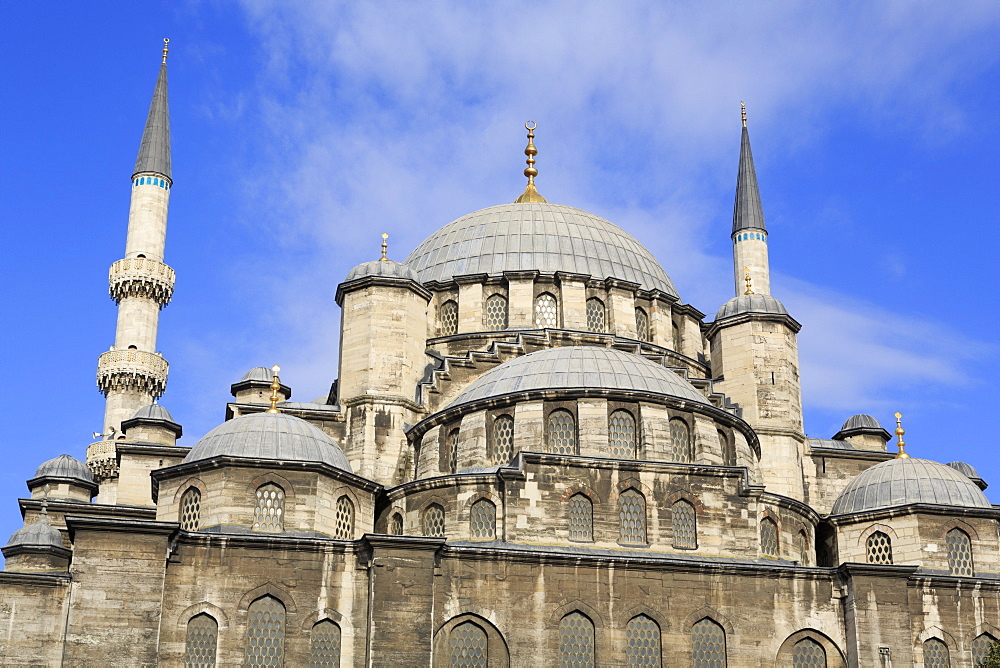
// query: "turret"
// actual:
[[749, 231]]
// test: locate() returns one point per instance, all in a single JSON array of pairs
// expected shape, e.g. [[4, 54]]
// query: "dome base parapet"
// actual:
[[141, 277], [137, 370]]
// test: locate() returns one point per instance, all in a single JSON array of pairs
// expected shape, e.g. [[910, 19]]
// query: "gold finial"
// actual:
[[166, 48], [275, 386], [746, 277], [743, 113], [530, 193], [899, 434], [385, 245]]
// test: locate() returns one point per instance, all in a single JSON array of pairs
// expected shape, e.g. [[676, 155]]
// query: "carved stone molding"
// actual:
[[141, 277], [136, 370]]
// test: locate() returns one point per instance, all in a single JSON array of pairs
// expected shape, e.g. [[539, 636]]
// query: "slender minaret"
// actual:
[[749, 231], [132, 373]]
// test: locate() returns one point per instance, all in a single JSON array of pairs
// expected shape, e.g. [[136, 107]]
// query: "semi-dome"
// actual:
[[751, 304], [900, 482], [269, 436], [65, 466], [153, 412], [536, 236], [38, 534], [577, 367], [384, 268]]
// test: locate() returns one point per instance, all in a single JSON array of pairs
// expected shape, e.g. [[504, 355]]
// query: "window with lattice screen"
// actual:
[[344, 528], [268, 515], [641, 325], [642, 643], [324, 645], [191, 509], [503, 439], [622, 435], [581, 518], [936, 654], [483, 520], [396, 525], [680, 441], [769, 537], [451, 447], [495, 315], [807, 653], [202, 642], [685, 525], [265, 632], [632, 517], [468, 646], [981, 647], [561, 432], [879, 548], [959, 553], [433, 521], [576, 641], [708, 645], [596, 315], [546, 311], [449, 318]]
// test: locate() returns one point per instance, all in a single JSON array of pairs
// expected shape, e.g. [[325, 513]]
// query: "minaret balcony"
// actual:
[[132, 370], [141, 277]]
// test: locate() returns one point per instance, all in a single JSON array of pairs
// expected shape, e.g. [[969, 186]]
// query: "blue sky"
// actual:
[[303, 130]]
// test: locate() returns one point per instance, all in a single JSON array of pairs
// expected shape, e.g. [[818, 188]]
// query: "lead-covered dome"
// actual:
[[577, 367], [900, 482], [751, 304], [536, 236], [38, 534], [65, 466], [383, 268], [270, 436]]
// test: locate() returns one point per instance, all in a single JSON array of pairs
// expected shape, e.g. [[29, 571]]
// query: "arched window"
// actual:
[[581, 518], [396, 525], [728, 451], [503, 439], [483, 520], [468, 646], [345, 519], [621, 434], [546, 311], [191, 509], [981, 647], [685, 525], [434, 521], [807, 653], [642, 637], [936, 654], [268, 515], [769, 537], [596, 315], [802, 547], [561, 433], [680, 441], [632, 518], [495, 315], [641, 325], [879, 548], [708, 645], [202, 642], [451, 447], [576, 641], [265, 632], [959, 553], [449, 318], [324, 645]]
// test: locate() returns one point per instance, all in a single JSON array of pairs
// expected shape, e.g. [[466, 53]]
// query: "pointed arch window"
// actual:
[[769, 537], [581, 518], [268, 516], [807, 653], [345, 519], [561, 432], [202, 643], [495, 315], [622, 435], [483, 520], [680, 441], [546, 310], [728, 451], [959, 553], [642, 637], [708, 644], [451, 447], [632, 518], [596, 315], [981, 647], [190, 512], [324, 645], [434, 521], [503, 439], [449, 318], [641, 325], [265, 632], [879, 548], [468, 646], [936, 654], [685, 525], [396, 525], [576, 641]]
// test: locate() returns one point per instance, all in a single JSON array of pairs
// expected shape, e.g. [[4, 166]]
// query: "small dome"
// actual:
[[861, 421], [386, 268], [39, 534], [751, 304], [261, 373], [579, 367], [965, 469], [153, 412], [270, 436], [900, 482], [65, 466]]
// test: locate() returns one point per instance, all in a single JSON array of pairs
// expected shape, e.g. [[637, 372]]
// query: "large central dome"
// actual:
[[536, 236]]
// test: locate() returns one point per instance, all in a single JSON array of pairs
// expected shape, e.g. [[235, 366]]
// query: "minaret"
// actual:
[[749, 230], [132, 373]]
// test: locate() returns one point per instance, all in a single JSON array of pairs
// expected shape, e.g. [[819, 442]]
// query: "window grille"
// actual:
[[642, 637], [469, 646], [396, 524], [807, 653], [434, 521], [562, 433], [324, 645], [684, 524], [936, 654], [449, 318], [981, 647], [680, 441], [596, 315], [191, 509], [708, 645], [503, 439], [546, 311], [632, 517], [879, 548], [495, 315], [769, 537], [345, 519], [267, 516], [621, 434], [802, 547], [451, 443], [581, 518], [265, 632], [959, 553], [202, 642], [483, 520], [641, 325], [576, 641]]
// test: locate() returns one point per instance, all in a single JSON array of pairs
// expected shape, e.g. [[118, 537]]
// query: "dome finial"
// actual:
[[746, 274], [530, 193], [385, 246], [166, 48], [899, 434], [275, 386], [743, 113]]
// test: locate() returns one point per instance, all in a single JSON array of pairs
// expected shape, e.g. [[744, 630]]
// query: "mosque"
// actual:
[[534, 453]]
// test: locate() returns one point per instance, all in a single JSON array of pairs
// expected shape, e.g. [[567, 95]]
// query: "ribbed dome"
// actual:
[[153, 412], [258, 373], [39, 534], [386, 268], [860, 421], [899, 482], [751, 304], [579, 367], [965, 469], [536, 236], [65, 466], [269, 436]]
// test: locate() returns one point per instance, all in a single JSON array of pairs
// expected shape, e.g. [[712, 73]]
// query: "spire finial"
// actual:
[[530, 193], [743, 113], [746, 277], [899, 434], [385, 246], [275, 386], [166, 48]]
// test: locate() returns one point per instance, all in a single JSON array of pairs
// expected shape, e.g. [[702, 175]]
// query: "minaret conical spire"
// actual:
[[747, 211], [154, 151], [749, 231]]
